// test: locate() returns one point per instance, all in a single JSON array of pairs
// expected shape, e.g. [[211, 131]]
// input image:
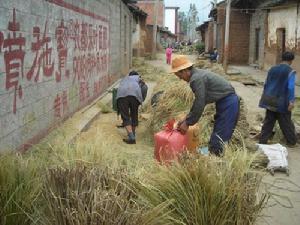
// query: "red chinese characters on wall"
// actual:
[[60, 106], [43, 55], [89, 58], [61, 35], [14, 54], [84, 93]]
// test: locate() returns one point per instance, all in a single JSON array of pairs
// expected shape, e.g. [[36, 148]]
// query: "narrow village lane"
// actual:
[[284, 206]]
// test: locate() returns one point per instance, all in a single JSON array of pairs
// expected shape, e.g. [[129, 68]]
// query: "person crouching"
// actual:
[[131, 93], [209, 87]]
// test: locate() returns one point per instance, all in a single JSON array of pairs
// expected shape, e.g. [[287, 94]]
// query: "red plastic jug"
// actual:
[[169, 143]]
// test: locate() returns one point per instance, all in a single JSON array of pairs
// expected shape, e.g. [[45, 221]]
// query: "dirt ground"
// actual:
[[283, 208]]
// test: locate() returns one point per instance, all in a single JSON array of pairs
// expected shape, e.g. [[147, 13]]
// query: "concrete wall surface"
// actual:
[[286, 18], [56, 56], [257, 24]]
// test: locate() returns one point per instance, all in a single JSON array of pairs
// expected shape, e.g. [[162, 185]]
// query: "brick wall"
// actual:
[[220, 32], [210, 36], [239, 38], [56, 56], [148, 7], [149, 39]]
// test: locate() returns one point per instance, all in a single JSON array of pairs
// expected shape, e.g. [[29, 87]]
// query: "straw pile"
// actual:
[[149, 73], [176, 101], [177, 97], [97, 181], [58, 187], [205, 190], [187, 50]]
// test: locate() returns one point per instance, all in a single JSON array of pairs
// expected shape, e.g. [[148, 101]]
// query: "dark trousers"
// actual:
[[128, 108], [227, 113], [286, 125]]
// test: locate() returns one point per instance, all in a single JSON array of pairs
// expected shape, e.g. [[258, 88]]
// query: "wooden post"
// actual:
[[155, 28], [226, 45]]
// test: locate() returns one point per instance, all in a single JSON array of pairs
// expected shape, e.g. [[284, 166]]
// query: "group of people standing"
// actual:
[[278, 99]]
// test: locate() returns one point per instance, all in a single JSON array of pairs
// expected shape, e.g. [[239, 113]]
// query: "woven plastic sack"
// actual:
[[277, 155], [169, 143]]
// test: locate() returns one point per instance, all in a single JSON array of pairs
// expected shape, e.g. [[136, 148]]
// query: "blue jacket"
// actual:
[[279, 89]]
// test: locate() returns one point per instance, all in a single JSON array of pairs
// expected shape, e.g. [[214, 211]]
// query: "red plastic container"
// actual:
[[169, 143]]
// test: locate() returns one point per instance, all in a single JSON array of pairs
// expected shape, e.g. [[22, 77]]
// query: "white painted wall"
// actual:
[[170, 19], [283, 18]]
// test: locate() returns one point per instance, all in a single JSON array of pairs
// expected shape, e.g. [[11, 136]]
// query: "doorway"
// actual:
[[281, 37], [257, 45]]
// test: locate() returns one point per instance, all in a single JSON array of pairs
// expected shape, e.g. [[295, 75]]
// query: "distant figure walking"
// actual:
[[169, 51]]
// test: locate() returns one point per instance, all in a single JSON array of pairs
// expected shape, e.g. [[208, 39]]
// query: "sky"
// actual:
[[203, 7]]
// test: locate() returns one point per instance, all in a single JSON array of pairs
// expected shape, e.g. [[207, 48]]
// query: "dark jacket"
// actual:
[[275, 95], [208, 87]]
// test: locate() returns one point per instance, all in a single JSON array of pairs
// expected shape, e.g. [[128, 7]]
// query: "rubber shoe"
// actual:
[[129, 141]]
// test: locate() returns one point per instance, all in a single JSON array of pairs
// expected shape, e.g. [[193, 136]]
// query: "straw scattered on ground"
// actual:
[[97, 179]]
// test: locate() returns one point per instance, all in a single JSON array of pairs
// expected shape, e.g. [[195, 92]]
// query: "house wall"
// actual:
[[148, 7], [210, 37], [149, 40], [56, 56], [287, 18], [239, 38], [220, 32], [258, 21], [139, 36]]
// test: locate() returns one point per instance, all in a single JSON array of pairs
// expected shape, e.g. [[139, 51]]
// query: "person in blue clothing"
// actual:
[[209, 87], [278, 99], [214, 56]]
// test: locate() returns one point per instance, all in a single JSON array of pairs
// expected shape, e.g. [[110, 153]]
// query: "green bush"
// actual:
[[200, 47]]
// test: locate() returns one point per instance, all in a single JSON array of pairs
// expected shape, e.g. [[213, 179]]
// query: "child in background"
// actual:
[[169, 51]]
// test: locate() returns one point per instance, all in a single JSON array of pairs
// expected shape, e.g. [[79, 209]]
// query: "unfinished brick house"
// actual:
[[238, 34], [274, 28]]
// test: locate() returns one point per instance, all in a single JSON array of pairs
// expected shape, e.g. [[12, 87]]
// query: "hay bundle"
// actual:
[[148, 72], [20, 183], [175, 100], [91, 195], [207, 190]]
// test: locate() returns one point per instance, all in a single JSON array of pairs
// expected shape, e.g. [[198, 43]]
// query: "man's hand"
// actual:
[[182, 127], [291, 106]]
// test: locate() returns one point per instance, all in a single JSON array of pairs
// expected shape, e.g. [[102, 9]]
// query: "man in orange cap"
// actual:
[[209, 87]]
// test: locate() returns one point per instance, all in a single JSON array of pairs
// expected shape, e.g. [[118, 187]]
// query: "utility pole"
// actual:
[[227, 27], [155, 28]]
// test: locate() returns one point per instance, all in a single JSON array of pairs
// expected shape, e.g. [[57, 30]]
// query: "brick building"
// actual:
[[238, 34], [260, 31], [274, 28], [148, 6]]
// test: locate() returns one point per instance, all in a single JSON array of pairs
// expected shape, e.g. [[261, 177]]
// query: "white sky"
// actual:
[[203, 6]]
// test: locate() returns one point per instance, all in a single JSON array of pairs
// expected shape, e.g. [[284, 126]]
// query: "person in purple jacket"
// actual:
[[278, 99]]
